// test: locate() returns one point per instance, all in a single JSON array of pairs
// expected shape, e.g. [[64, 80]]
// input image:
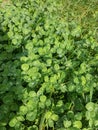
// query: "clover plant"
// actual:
[[48, 69]]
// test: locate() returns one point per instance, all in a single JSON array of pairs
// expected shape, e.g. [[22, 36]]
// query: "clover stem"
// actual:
[[42, 122]]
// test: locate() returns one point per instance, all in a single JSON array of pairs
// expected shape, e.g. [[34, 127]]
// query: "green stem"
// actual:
[[91, 93], [41, 125]]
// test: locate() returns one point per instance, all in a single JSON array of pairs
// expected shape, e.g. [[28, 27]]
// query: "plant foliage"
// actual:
[[48, 67]]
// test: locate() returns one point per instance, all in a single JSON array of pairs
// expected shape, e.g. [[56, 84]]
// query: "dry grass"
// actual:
[[4, 3]]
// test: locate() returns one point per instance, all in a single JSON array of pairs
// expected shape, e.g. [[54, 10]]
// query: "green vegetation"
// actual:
[[49, 65]]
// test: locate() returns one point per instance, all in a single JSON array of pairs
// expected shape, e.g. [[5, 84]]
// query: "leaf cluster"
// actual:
[[48, 68]]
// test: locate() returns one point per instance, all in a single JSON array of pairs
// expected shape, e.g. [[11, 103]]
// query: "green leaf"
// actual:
[[24, 58], [15, 41], [83, 79], [49, 62], [77, 124], [77, 31], [70, 114], [54, 117], [48, 102], [59, 103], [63, 88], [67, 123], [25, 67], [41, 51], [10, 34], [90, 106], [3, 122], [42, 105], [59, 51], [29, 46], [71, 88], [53, 79], [46, 78], [31, 116], [68, 63], [23, 110], [87, 114], [56, 67], [8, 99], [31, 104], [83, 67], [13, 122], [43, 98], [96, 123], [48, 115], [20, 118], [50, 123], [34, 127], [32, 94], [78, 116], [76, 80], [26, 31]]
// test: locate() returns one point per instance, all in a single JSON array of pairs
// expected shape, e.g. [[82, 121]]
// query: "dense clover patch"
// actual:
[[48, 70]]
